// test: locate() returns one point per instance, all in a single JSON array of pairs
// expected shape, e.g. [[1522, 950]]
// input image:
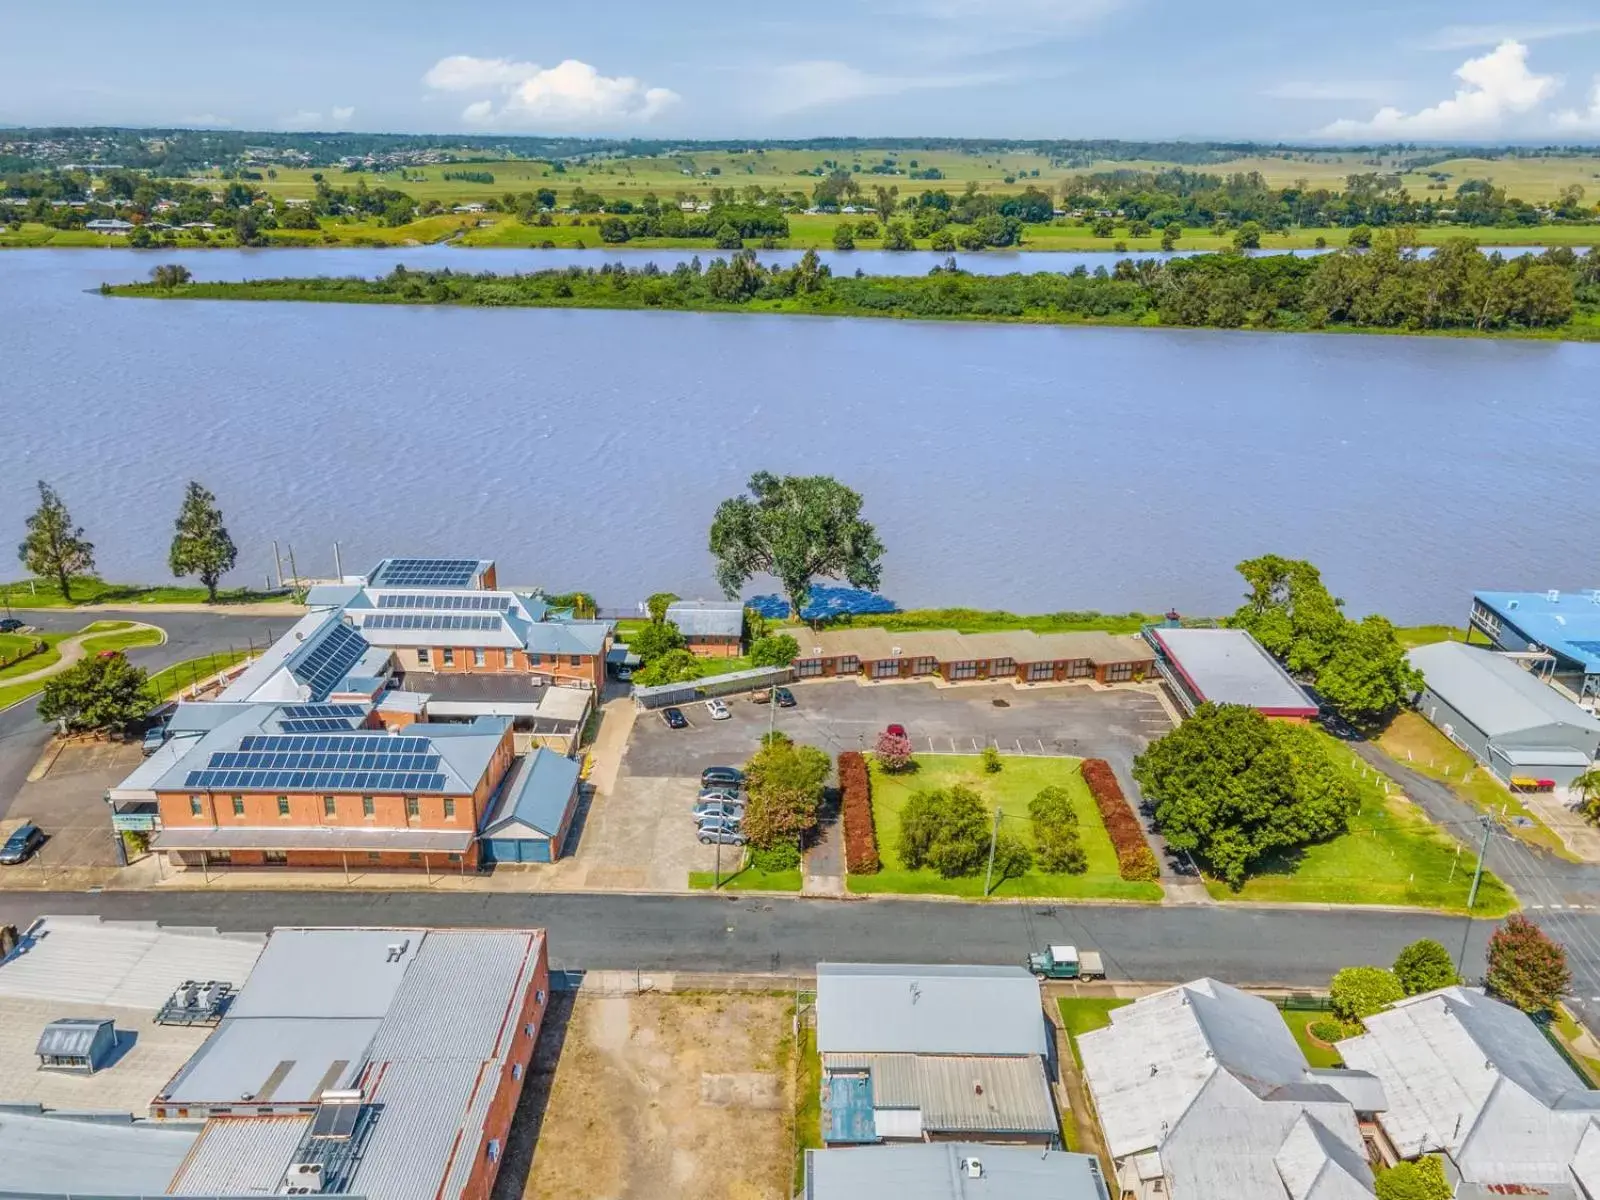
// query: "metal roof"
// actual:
[[1228, 666], [870, 644], [72, 1037], [969, 1093], [273, 1060], [540, 795], [567, 637], [53, 1155], [1567, 623], [708, 618], [328, 973], [1496, 694], [240, 1156], [880, 1008], [452, 1001], [934, 1171]]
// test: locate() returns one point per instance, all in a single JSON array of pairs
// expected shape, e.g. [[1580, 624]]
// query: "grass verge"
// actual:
[[169, 681], [807, 1103], [117, 635], [747, 879], [45, 593], [1010, 789], [1568, 1032], [1392, 854], [1085, 1014], [974, 620], [1411, 741]]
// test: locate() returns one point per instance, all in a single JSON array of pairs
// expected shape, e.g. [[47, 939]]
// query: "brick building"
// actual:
[[1019, 657], [710, 628]]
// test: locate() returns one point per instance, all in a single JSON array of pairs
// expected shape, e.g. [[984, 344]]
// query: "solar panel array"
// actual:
[[349, 762], [460, 621], [454, 601], [298, 712], [315, 724], [330, 660], [427, 572]]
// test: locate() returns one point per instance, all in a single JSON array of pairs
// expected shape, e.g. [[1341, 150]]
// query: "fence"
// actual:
[[754, 680]]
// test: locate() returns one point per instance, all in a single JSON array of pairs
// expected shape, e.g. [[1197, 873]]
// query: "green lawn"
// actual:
[[1411, 740], [747, 879], [175, 678], [14, 645], [115, 635], [1392, 854], [1085, 1014], [807, 1103], [43, 593], [1297, 1020], [1011, 789], [973, 620]]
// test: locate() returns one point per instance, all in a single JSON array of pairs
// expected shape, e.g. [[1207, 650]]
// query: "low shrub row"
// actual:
[[1135, 859], [860, 838]]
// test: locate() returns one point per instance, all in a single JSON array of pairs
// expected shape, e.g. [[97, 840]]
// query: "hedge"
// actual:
[[1135, 859], [860, 838]]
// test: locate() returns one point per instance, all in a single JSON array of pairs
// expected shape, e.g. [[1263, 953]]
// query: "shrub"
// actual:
[[1423, 1179], [1135, 859], [860, 836], [991, 760], [893, 751], [1328, 1030], [1358, 992], [783, 787], [675, 666], [1055, 832], [946, 829], [1526, 968], [777, 650], [784, 856], [1423, 966]]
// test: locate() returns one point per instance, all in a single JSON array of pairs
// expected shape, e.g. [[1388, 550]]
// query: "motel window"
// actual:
[[493, 1149], [1002, 666], [528, 1029], [806, 668], [849, 662], [963, 670], [885, 666], [330, 807], [424, 656], [373, 856], [414, 856], [924, 666], [238, 806], [275, 858], [455, 858], [480, 658], [448, 656], [1038, 671], [1119, 672], [449, 810], [536, 659], [366, 806], [511, 659], [516, 1070], [576, 660], [283, 806], [411, 806], [538, 996], [221, 858], [1078, 667], [196, 807]]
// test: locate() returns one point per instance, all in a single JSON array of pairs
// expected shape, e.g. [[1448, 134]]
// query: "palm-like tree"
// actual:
[[1587, 786]]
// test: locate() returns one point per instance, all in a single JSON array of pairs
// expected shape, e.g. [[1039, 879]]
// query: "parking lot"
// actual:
[[641, 835]]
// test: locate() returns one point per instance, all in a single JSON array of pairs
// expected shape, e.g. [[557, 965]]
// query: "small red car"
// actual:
[[897, 731]]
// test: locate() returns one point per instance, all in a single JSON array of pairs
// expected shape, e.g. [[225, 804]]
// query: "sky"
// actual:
[[1364, 70]]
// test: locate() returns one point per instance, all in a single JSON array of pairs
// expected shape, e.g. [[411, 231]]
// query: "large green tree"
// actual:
[[200, 544], [1289, 610], [1423, 966], [1367, 677], [1230, 786], [674, 666], [797, 528], [783, 789], [946, 829], [100, 694], [1526, 967], [54, 547]]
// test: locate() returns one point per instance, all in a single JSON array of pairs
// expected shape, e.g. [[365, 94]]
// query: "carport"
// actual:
[[664, 695]]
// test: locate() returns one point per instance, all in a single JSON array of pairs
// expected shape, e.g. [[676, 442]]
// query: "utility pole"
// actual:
[[1483, 848], [772, 717], [994, 837], [294, 570]]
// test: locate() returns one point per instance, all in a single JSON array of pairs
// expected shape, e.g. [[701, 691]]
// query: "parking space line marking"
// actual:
[[1041, 745], [1019, 745]]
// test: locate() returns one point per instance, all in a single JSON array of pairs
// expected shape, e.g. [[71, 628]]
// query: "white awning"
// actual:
[[453, 841]]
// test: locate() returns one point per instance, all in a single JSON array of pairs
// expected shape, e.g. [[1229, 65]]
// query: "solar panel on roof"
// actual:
[[456, 601], [427, 572], [358, 743], [299, 711], [330, 659], [314, 724], [318, 781], [431, 620]]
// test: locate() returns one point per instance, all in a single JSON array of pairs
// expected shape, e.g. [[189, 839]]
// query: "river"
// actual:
[[1032, 468]]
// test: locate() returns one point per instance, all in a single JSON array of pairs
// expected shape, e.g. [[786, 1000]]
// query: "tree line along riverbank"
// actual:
[[1458, 289]]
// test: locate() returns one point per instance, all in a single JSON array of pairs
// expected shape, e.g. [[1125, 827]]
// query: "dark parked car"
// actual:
[[22, 843], [721, 777], [785, 698], [674, 718], [10, 625]]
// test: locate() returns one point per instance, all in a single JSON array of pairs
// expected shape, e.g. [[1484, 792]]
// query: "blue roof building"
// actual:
[[1565, 626], [535, 812]]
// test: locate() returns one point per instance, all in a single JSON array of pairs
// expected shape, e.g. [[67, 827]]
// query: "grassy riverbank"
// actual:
[[1460, 291], [46, 593]]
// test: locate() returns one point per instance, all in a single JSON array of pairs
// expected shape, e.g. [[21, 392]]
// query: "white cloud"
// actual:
[[304, 119], [1586, 121], [1496, 86], [816, 82], [1330, 89], [1470, 37], [570, 94], [342, 114]]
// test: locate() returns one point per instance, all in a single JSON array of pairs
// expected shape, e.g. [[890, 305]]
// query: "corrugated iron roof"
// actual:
[[934, 1172], [240, 1156], [1496, 694], [70, 1037], [454, 1000], [708, 618], [960, 1094]]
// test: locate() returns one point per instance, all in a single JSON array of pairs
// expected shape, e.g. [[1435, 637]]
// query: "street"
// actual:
[[23, 736], [712, 933]]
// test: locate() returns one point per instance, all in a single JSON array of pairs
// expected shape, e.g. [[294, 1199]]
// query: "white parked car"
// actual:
[[718, 710]]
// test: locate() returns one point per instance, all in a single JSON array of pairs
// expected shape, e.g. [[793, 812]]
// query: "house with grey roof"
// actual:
[[1475, 1080], [952, 1171], [1203, 1094], [933, 1053], [1507, 718], [713, 628]]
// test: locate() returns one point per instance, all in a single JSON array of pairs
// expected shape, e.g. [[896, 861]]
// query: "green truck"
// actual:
[[1066, 962]]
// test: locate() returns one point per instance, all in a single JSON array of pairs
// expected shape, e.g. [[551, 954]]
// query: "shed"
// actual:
[[1504, 715], [1227, 666], [77, 1044], [535, 811]]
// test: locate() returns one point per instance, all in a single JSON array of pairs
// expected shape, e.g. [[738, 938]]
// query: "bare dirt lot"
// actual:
[[657, 1097]]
